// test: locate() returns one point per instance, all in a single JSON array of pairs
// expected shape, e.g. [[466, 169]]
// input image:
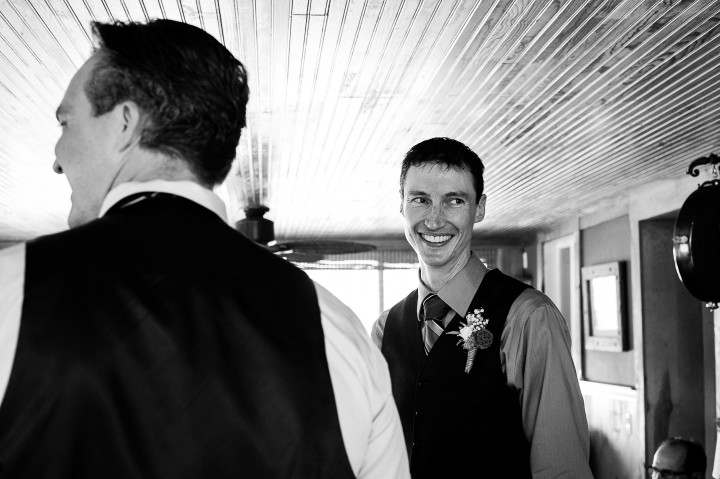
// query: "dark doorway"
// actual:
[[678, 348]]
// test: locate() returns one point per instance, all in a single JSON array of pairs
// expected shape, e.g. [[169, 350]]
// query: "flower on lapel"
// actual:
[[473, 336]]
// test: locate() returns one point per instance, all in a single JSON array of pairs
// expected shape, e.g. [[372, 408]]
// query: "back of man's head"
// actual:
[[447, 153], [680, 454], [192, 91]]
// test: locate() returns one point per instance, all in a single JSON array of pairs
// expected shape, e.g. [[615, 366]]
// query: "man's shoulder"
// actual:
[[73, 235], [533, 298], [506, 281], [84, 244], [533, 310]]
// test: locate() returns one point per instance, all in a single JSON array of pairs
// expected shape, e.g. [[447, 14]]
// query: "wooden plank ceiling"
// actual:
[[569, 102]]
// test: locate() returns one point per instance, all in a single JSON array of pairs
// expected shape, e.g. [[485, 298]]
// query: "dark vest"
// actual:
[[157, 342], [457, 425]]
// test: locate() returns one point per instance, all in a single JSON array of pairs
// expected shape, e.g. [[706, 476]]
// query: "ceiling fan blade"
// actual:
[[302, 257], [326, 247], [290, 254]]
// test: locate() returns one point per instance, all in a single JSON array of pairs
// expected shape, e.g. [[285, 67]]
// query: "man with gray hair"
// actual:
[[151, 339]]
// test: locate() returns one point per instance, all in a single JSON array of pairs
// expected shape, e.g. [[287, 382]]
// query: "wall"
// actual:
[[605, 243], [617, 412], [611, 400], [650, 202]]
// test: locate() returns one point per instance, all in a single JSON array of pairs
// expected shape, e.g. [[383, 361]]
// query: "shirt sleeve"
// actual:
[[369, 420], [378, 329], [12, 282], [536, 354]]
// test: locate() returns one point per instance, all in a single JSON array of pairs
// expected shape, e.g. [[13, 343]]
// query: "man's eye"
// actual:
[[457, 202], [418, 200]]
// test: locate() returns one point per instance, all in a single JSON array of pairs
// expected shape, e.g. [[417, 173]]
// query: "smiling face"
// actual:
[[440, 209], [84, 152]]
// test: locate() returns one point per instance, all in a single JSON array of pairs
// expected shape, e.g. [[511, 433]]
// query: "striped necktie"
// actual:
[[433, 312]]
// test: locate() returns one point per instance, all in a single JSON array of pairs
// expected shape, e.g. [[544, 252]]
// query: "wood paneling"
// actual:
[[569, 102]]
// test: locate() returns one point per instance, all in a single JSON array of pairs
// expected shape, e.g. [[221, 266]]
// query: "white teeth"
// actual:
[[436, 239]]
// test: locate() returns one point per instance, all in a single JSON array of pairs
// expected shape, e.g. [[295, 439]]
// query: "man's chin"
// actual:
[[79, 218], [441, 257], [433, 256]]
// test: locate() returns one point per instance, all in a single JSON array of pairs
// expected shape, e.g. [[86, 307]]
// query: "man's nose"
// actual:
[[57, 168], [436, 217]]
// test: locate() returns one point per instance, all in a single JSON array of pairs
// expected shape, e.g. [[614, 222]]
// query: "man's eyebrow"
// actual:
[[449, 194], [457, 194]]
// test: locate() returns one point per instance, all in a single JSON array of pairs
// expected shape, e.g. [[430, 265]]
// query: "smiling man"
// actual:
[[480, 363]]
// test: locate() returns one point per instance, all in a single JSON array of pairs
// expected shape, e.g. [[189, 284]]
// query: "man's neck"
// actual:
[[436, 278], [142, 165]]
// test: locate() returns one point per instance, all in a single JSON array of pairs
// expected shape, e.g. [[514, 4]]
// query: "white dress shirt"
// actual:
[[368, 416]]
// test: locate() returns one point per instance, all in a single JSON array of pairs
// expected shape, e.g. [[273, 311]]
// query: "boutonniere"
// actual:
[[473, 336]]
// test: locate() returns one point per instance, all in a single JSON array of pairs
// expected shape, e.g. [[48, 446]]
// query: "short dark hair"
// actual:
[[192, 91], [447, 152], [695, 459]]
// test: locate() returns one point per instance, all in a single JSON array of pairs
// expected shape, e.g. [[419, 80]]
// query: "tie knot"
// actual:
[[434, 307]]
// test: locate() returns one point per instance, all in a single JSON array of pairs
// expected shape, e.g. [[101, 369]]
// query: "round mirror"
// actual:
[[696, 243]]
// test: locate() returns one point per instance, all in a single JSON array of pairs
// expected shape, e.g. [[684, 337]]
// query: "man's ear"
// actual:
[[480, 209], [129, 119]]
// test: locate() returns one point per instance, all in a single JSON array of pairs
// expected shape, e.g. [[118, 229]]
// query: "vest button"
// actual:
[[416, 444], [419, 413], [422, 384]]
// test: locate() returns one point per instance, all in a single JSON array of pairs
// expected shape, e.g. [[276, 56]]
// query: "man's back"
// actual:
[[157, 342]]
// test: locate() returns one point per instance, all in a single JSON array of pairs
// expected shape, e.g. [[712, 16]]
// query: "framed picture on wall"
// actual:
[[604, 307]]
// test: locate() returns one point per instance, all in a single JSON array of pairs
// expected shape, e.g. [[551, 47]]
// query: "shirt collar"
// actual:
[[460, 290], [187, 189]]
